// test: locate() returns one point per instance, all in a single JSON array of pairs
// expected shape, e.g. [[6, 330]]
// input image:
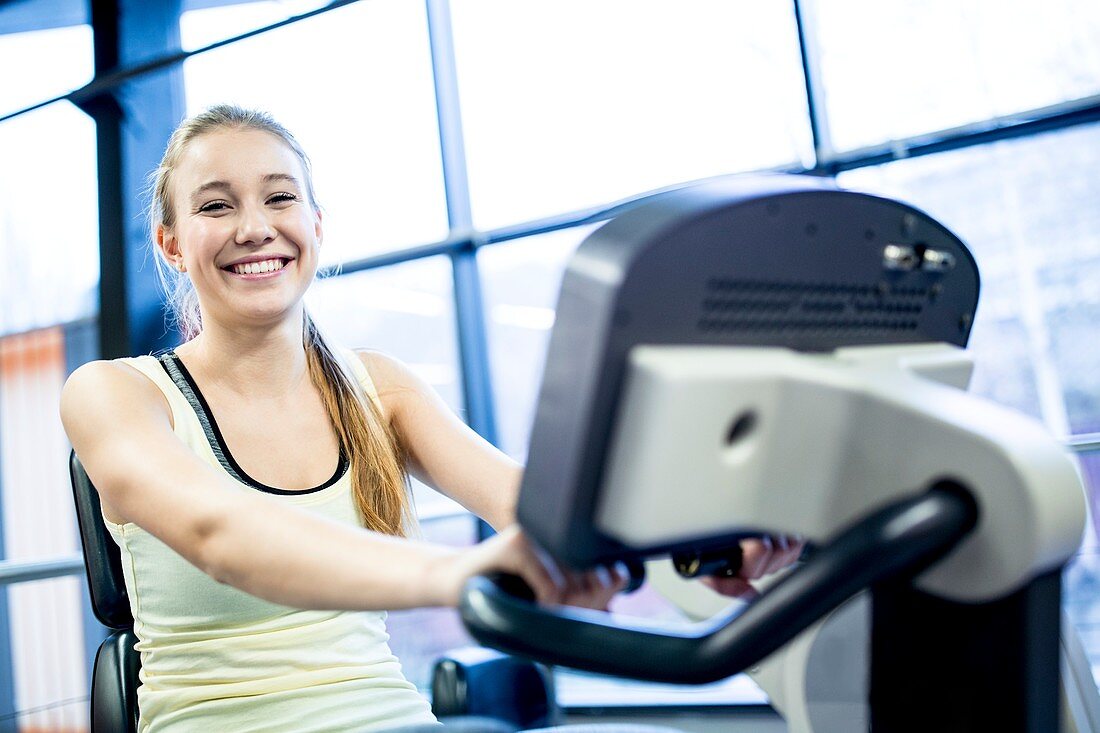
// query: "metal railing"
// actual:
[[24, 571]]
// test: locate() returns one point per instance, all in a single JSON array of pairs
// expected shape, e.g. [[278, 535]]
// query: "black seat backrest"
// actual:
[[101, 555]]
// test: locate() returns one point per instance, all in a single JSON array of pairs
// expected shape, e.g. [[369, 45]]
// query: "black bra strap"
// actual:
[[172, 366], [186, 385]]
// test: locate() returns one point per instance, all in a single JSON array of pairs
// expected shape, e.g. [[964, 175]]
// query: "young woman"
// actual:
[[255, 477]]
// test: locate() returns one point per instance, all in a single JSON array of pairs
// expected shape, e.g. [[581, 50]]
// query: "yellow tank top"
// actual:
[[214, 658]]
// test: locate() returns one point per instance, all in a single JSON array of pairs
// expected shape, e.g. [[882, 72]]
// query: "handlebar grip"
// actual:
[[516, 587], [903, 538], [511, 585]]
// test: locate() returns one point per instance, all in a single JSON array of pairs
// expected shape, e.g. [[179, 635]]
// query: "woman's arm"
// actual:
[[119, 424], [447, 454], [443, 451]]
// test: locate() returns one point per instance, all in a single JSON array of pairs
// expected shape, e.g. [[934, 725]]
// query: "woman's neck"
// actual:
[[256, 362]]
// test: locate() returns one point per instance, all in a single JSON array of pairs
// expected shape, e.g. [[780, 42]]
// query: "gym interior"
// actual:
[[463, 150]]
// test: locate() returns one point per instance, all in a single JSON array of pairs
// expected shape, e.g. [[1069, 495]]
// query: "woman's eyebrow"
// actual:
[[199, 192], [208, 186], [275, 177]]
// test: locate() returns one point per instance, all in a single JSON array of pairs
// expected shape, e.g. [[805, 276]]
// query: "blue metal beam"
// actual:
[[1025, 124], [133, 122], [469, 312], [473, 348], [811, 76]]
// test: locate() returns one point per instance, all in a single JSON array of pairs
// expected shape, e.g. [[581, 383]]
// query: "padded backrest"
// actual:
[[114, 707], [102, 559]]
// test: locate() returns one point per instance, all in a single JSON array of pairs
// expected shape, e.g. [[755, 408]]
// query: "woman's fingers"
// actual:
[[761, 556], [510, 552], [792, 547], [733, 587], [554, 584], [768, 554], [594, 588], [756, 554], [618, 576], [542, 574], [613, 580]]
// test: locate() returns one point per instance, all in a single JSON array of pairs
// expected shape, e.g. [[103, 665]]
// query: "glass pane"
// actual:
[[37, 503], [520, 281], [1027, 209], [355, 87], [50, 272], [47, 623], [51, 62], [406, 311], [203, 27], [573, 104], [898, 69], [1081, 580]]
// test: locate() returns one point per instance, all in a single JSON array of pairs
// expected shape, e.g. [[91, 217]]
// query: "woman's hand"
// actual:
[[759, 557], [510, 551]]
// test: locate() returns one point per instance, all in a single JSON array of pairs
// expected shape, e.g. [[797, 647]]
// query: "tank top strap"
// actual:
[[359, 369], [185, 420], [185, 385], [195, 425]]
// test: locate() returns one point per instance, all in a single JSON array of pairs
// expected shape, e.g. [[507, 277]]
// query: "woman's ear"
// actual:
[[169, 247], [317, 228]]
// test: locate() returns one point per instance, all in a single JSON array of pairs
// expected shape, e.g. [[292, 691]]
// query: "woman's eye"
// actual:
[[282, 198], [213, 206]]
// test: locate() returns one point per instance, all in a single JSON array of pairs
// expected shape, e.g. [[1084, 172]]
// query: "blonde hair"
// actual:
[[379, 478]]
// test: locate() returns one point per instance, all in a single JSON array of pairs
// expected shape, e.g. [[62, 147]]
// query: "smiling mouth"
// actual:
[[257, 268]]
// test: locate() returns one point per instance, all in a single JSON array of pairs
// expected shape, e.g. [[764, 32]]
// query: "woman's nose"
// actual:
[[254, 227]]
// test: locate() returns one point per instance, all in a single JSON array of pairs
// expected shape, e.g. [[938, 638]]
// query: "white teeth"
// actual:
[[255, 268]]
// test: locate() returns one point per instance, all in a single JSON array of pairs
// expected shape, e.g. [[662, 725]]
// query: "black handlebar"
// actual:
[[902, 538]]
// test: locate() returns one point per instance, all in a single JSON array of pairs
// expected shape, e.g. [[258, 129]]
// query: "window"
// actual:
[[520, 282], [1081, 579], [206, 25], [49, 230], [49, 237], [1026, 210], [49, 177], [61, 59], [565, 106], [568, 105], [894, 70], [354, 85], [46, 640]]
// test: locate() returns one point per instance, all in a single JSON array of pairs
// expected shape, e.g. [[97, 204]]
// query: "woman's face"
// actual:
[[244, 229]]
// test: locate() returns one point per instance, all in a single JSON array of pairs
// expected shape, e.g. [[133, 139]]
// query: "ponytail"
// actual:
[[379, 481]]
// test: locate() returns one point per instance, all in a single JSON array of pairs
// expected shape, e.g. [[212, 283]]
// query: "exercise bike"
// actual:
[[774, 355]]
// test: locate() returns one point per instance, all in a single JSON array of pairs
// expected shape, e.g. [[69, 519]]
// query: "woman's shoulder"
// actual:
[[377, 363], [110, 387], [111, 373], [388, 373]]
